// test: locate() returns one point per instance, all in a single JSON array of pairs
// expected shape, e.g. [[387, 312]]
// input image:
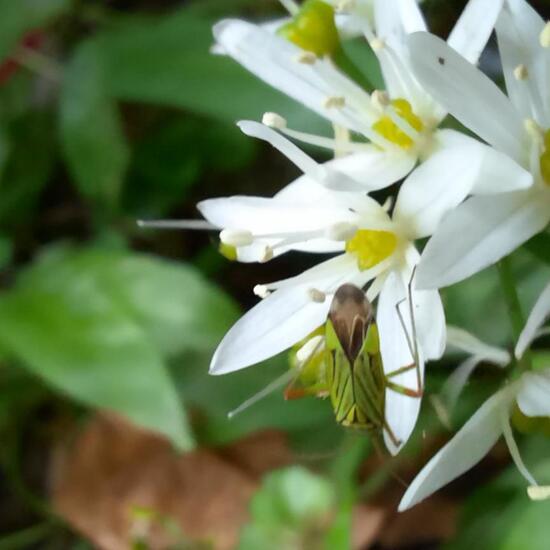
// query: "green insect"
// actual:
[[349, 368]]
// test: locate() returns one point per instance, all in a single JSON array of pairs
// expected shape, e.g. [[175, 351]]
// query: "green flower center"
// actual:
[[371, 247], [387, 128], [313, 29]]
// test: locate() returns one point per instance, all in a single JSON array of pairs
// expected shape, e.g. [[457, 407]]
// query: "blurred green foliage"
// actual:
[[116, 111]]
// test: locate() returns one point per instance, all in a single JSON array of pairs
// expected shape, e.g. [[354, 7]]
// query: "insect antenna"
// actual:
[[280, 381], [304, 354], [412, 345]]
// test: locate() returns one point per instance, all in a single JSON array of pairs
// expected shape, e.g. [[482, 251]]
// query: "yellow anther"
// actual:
[[387, 128], [334, 102], [306, 58], [544, 37], [371, 247], [313, 29], [544, 161], [228, 251], [521, 72]]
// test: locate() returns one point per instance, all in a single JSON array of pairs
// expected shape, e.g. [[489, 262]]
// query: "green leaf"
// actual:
[[96, 323], [20, 16], [167, 60], [172, 303], [92, 139], [289, 511]]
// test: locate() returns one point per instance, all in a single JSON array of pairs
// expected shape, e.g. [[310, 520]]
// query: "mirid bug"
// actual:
[[346, 364]]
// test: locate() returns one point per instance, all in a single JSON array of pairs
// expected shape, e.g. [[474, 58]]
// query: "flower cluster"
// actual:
[[474, 199]]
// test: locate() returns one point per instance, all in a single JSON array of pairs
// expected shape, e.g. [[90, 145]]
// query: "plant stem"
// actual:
[[515, 312], [509, 289]]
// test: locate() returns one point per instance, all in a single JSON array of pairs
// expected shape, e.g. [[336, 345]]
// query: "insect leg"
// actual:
[[413, 346], [392, 436]]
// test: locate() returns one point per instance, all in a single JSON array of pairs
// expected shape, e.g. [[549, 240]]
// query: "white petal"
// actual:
[[498, 172], [394, 20], [455, 383], [479, 233], [537, 317], [303, 161], [466, 449], [534, 396], [280, 320], [518, 30], [401, 411], [464, 341], [474, 27], [325, 174], [437, 186], [274, 60], [374, 169], [428, 312], [263, 216], [467, 93]]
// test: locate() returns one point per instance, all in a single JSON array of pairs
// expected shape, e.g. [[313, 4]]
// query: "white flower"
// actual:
[[400, 124], [374, 248], [485, 229], [531, 393]]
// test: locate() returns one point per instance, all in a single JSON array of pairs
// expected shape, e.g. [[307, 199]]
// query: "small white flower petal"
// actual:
[[534, 396], [498, 172], [437, 186], [537, 317], [401, 410], [264, 216], [274, 60], [474, 27], [455, 383], [374, 169], [480, 232], [281, 319], [518, 30], [464, 341], [466, 448], [467, 94], [325, 174], [428, 312]]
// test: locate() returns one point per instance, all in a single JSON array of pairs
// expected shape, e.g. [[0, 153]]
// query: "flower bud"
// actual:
[[313, 29]]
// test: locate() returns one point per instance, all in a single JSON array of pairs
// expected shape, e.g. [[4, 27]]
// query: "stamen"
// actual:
[[513, 448], [341, 231], [273, 120], [334, 102], [261, 291], [544, 37], [290, 6], [377, 44], [236, 237], [312, 346], [307, 58], [326, 143], [380, 99], [316, 295], [533, 129], [268, 255], [538, 492], [345, 6], [198, 225], [521, 72]]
